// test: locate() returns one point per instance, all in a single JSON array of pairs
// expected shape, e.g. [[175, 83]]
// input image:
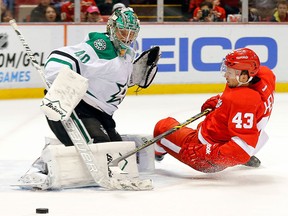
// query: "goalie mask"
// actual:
[[123, 27]]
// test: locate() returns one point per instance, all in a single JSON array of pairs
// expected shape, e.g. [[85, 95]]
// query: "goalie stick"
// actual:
[[80, 138], [114, 163]]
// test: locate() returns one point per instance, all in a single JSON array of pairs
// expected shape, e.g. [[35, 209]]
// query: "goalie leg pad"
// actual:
[[38, 176], [66, 169]]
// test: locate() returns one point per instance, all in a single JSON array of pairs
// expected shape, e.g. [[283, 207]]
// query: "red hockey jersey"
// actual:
[[233, 132]]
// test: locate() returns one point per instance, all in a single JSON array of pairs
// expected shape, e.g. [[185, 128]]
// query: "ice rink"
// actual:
[[178, 189]]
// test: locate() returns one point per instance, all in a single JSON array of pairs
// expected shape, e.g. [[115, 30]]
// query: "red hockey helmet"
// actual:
[[243, 59]]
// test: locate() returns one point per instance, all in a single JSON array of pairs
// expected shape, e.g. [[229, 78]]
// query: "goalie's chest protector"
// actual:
[[107, 73]]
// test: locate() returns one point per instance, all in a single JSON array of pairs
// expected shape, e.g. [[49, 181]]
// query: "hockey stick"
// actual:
[[80, 137], [115, 162]]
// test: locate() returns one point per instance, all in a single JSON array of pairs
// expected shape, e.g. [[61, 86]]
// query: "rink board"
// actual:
[[190, 61]]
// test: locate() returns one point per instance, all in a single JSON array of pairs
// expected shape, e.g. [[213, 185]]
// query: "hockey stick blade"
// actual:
[[115, 162]]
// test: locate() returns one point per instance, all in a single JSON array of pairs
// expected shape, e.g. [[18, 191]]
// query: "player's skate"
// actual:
[[159, 152], [253, 162]]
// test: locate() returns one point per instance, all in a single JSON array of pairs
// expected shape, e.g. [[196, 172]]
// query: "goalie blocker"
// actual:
[[64, 94]]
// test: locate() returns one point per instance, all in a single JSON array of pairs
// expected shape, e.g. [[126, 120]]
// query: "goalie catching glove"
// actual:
[[145, 68]]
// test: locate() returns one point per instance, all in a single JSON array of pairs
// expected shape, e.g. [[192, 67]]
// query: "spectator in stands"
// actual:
[[93, 14], [253, 15], [265, 8], [6, 15], [280, 15], [67, 9], [219, 13], [57, 4], [106, 6], [2, 5], [38, 13], [231, 6], [205, 13], [7, 8], [193, 5], [51, 14], [3, 9]]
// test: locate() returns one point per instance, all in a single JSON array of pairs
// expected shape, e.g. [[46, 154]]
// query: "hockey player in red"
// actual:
[[233, 132]]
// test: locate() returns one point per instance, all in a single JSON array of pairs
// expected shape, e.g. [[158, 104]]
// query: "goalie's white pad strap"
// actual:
[[65, 93], [145, 68]]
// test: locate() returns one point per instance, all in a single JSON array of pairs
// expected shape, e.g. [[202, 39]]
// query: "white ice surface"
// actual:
[[178, 189]]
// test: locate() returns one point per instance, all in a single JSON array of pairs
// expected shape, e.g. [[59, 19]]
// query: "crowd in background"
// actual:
[[61, 10], [191, 10], [231, 10]]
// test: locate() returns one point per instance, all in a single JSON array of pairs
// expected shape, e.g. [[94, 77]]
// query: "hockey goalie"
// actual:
[[87, 82]]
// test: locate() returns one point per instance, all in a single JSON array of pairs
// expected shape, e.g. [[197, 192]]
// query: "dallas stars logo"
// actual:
[[118, 96], [100, 44]]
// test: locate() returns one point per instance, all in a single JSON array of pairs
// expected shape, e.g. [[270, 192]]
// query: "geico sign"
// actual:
[[182, 48]]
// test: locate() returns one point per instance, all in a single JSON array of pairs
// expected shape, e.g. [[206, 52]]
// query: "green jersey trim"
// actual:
[[60, 61]]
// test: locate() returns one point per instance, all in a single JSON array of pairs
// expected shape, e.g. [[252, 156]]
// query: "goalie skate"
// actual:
[[35, 180]]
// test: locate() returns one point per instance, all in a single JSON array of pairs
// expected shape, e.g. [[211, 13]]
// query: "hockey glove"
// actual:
[[145, 67], [210, 103]]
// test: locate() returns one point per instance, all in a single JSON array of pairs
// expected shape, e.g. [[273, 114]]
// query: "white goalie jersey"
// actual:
[[96, 60]]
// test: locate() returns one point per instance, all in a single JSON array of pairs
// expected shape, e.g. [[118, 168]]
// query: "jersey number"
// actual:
[[243, 120], [84, 57]]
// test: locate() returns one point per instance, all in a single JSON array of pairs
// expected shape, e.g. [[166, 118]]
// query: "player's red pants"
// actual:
[[185, 146]]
